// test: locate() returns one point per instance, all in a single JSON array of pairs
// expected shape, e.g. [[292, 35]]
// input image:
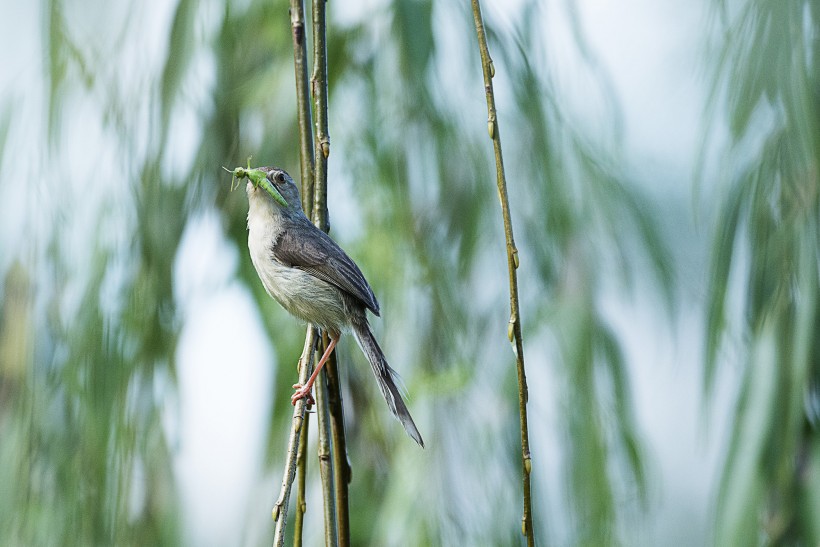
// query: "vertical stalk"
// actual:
[[280, 508], [297, 25], [298, 437], [301, 473], [514, 328], [326, 462], [329, 406], [332, 445], [322, 143], [341, 465]]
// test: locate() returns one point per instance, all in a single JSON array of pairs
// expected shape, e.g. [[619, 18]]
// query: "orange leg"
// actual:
[[304, 391]]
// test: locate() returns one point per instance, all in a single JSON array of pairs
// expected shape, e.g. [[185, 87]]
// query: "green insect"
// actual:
[[258, 178]]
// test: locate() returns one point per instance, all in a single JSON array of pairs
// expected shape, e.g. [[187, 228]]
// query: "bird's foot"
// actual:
[[302, 392]]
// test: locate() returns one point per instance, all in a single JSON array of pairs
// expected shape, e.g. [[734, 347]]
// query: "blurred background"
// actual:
[[662, 162]]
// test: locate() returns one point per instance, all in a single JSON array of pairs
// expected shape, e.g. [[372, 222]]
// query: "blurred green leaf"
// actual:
[[92, 462], [767, 241]]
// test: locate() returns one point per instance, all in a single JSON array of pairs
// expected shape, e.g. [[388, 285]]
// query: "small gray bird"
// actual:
[[313, 278]]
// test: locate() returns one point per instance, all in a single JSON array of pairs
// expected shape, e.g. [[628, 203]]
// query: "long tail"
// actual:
[[385, 376]]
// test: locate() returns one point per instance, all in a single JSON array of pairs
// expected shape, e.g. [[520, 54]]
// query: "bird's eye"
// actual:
[[280, 178]]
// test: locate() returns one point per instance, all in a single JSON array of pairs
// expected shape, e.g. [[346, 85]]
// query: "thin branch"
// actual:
[[335, 473], [341, 465], [322, 143], [297, 25], [280, 509], [298, 434], [514, 328], [299, 35], [326, 462], [301, 473]]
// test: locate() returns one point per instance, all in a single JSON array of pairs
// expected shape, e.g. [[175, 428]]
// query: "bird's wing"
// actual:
[[302, 245]]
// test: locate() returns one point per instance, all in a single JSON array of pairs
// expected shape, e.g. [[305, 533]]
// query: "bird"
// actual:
[[310, 276]]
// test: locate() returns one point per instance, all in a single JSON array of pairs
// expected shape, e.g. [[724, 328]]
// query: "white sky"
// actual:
[[649, 49]]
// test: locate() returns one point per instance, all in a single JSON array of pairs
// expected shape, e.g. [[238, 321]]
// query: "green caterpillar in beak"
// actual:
[[259, 178]]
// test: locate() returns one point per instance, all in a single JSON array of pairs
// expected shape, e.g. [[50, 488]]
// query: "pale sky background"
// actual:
[[652, 52]]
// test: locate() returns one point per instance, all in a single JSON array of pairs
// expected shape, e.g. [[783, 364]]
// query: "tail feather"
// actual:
[[386, 377]]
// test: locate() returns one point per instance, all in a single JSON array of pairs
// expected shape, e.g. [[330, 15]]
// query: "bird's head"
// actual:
[[272, 184]]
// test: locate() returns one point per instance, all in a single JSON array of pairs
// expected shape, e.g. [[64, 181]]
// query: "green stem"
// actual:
[[341, 465], [280, 508], [301, 473], [322, 142], [297, 25], [337, 527], [326, 461], [295, 456], [512, 265]]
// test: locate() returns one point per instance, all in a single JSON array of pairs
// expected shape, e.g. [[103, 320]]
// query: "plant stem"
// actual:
[[322, 143], [301, 473], [297, 25], [280, 508], [514, 328], [329, 406], [326, 461], [341, 465], [297, 443]]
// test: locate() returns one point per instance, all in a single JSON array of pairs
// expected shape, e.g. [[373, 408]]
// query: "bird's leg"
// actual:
[[304, 391]]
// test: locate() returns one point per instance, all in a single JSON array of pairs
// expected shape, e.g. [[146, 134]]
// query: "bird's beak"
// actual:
[[259, 179]]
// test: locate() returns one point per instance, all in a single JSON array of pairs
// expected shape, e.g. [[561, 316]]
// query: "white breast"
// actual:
[[301, 294]]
